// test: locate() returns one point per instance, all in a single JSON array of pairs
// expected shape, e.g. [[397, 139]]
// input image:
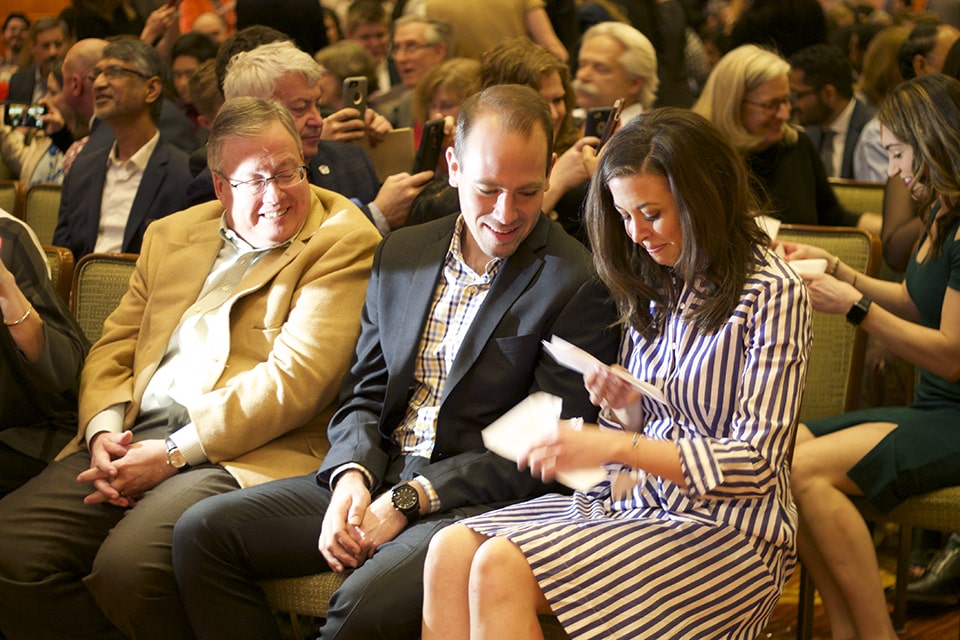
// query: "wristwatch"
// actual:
[[174, 456], [406, 500], [859, 311]]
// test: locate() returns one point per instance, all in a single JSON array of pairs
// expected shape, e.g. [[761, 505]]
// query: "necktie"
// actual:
[[826, 151]]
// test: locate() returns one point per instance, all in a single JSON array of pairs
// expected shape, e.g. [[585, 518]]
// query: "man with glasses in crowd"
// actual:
[[113, 191], [419, 44], [450, 340], [219, 369]]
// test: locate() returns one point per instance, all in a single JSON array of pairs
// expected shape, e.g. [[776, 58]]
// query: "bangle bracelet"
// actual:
[[22, 318], [836, 265], [854, 283]]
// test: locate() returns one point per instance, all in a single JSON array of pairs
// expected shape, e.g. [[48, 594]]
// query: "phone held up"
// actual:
[[16, 114], [355, 93], [602, 122], [431, 144]]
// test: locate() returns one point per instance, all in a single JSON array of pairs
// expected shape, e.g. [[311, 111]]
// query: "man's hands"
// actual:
[[346, 125], [341, 539], [398, 193], [353, 527], [121, 470]]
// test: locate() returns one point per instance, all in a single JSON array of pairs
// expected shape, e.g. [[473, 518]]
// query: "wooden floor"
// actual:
[[924, 622]]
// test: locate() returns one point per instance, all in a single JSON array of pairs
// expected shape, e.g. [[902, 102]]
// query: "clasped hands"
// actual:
[[122, 470], [353, 526]]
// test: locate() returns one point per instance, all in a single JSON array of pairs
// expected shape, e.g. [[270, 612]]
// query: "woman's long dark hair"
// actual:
[[925, 113], [709, 183]]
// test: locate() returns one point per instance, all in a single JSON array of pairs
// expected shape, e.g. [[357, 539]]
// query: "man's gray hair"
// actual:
[[254, 73], [437, 32], [639, 58]]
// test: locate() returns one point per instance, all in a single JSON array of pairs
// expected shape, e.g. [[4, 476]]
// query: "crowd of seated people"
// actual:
[[318, 328]]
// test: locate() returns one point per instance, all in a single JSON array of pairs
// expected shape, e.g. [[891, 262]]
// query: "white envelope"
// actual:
[[573, 357], [809, 265], [514, 433]]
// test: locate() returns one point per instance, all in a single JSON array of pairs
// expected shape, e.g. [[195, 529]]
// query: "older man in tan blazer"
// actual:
[[219, 369]]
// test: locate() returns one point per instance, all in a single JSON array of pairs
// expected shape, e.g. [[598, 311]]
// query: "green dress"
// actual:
[[923, 452]]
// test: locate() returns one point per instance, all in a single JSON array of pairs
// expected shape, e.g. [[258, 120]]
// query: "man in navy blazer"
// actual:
[[450, 340], [114, 191], [821, 86]]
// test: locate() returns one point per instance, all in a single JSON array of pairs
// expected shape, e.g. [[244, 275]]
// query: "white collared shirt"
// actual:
[[198, 347], [119, 191], [839, 127]]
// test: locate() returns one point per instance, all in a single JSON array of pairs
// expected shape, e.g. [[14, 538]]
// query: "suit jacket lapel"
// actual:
[[510, 283], [142, 209], [858, 119], [89, 227], [181, 272], [419, 297]]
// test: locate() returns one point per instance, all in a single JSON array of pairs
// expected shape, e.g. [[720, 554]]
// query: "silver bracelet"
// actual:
[[22, 318]]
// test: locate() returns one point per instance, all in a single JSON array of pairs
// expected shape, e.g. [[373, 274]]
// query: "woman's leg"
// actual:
[[446, 580], [504, 595], [835, 543]]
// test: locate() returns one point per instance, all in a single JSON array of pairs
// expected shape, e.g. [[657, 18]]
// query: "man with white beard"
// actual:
[[616, 61]]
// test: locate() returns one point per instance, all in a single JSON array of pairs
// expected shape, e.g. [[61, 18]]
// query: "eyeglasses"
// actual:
[[408, 48], [283, 180], [114, 71], [771, 106]]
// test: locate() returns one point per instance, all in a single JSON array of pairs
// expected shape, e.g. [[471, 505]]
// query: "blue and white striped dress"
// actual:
[[708, 561]]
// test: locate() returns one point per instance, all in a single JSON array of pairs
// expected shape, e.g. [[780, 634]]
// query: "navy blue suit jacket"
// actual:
[[548, 286], [160, 193], [858, 119]]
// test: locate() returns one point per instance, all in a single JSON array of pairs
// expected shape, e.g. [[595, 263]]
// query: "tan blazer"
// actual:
[[295, 319]]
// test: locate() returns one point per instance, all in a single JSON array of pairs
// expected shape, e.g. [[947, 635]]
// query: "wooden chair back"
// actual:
[[99, 281], [41, 208]]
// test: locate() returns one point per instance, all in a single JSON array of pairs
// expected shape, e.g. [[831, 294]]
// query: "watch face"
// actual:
[[858, 311], [405, 498], [176, 459]]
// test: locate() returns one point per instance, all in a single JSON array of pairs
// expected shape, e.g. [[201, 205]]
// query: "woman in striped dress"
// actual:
[[692, 535]]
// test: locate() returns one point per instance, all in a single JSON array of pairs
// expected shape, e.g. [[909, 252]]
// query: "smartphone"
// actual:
[[17, 114], [602, 122], [355, 93], [431, 144]]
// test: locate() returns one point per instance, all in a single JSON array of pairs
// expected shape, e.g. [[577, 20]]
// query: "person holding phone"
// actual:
[[692, 532], [36, 154], [348, 68], [520, 61], [278, 69], [450, 340]]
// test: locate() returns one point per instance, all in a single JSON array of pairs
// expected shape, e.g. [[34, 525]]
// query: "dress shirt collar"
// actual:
[[138, 159], [840, 125]]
